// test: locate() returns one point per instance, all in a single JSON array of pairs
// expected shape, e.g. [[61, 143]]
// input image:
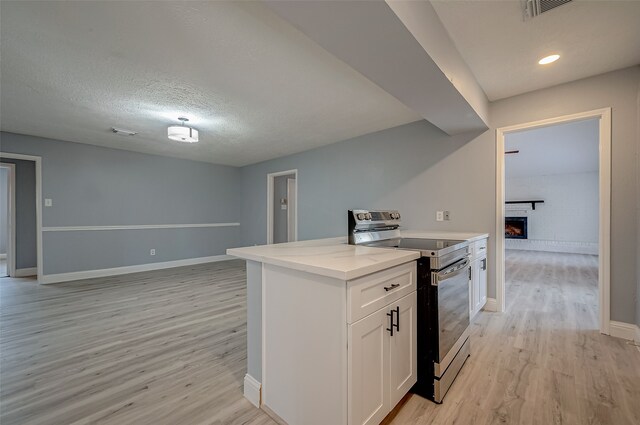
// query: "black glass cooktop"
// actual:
[[428, 247], [427, 244]]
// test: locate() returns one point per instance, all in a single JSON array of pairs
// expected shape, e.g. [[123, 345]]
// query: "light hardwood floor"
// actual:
[[543, 361], [169, 347], [163, 347]]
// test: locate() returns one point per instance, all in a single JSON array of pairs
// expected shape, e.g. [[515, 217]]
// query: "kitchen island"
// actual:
[[331, 329]]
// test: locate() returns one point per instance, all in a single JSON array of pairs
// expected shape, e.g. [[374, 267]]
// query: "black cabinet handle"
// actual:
[[397, 324], [484, 264], [393, 286]]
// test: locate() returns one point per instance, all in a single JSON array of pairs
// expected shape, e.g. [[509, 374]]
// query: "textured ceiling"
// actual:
[[255, 87], [502, 50], [558, 149]]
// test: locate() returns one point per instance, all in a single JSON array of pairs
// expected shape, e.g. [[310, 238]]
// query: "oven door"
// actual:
[[452, 288]]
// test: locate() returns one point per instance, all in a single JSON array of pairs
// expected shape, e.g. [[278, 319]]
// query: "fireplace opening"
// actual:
[[515, 227]]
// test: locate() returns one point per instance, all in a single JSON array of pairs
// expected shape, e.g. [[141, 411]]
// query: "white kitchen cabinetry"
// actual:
[[482, 276], [478, 286], [403, 350], [382, 366], [369, 369], [329, 356]]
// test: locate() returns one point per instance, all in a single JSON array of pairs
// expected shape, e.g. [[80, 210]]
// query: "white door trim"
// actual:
[[38, 161], [604, 243], [11, 218], [270, 180]]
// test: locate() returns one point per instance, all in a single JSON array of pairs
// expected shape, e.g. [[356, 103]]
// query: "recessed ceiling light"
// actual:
[[182, 133], [548, 59]]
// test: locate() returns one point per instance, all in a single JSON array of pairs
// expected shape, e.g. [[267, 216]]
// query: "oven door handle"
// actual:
[[451, 272]]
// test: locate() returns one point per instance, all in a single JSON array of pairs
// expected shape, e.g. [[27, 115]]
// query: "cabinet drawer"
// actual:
[[370, 293], [478, 249]]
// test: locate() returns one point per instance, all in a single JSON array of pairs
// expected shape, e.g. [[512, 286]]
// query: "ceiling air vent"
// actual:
[[533, 8]]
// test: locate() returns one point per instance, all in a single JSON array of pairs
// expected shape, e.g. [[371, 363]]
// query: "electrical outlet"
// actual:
[[152, 252], [439, 215], [48, 202], [447, 216]]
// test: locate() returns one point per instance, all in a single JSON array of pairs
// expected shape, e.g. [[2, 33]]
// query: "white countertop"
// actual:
[[327, 257], [333, 257]]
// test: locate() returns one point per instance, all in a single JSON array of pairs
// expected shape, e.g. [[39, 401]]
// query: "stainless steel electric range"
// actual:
[[443, 296]]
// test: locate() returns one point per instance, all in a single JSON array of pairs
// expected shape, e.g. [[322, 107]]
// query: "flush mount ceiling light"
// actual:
[[548, 59], [182, 133]]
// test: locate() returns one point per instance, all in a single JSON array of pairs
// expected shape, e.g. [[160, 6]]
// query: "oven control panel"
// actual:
[[376, 223], [375, 216]]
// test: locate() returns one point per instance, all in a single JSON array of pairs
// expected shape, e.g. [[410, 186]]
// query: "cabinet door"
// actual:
[[402, 348], [475, 287], [472, 291], [368, 365], [483, 282]]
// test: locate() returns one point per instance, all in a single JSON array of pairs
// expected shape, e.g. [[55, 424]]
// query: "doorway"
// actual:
[[282, 207], [7, 219], [603, 186], [24, 253]]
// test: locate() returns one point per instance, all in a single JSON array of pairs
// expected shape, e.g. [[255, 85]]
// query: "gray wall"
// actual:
[[419, 170], [619, 90], [399, 167], [4, 199], [26, 228], [95, 186], [280, 221]]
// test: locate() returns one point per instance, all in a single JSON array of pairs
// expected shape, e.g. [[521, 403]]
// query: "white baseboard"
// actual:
[[491, 305], [590, 248], [628, 331], [90, 274], [31, 271], [252, 390], [3, 256]]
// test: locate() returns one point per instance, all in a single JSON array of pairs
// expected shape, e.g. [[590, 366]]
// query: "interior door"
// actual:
[[292, 208], [403, 351], [368, 365]]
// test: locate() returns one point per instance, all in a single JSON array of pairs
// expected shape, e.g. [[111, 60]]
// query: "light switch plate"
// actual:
[[48, 202]]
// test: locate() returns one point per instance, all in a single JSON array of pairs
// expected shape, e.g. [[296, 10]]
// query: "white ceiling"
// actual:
[[254, 86], [502, 50], [558, 149]]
